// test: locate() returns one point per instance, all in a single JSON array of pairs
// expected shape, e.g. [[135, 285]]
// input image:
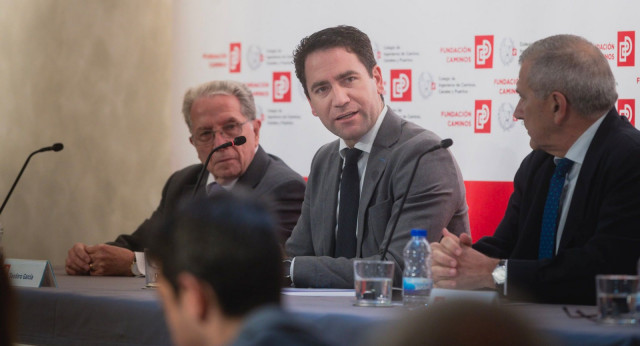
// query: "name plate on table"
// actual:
[[442, 295], [30, 273]]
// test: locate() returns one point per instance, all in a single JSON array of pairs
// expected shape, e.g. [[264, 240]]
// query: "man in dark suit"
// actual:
[[344, 86], [222, 273], [561, 226], [215, 112]]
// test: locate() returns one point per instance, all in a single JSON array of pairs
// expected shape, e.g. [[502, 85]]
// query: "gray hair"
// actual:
[[223, 87], [575, 67]]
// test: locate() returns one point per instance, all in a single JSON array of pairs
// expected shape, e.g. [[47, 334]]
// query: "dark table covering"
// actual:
[[119, 311]]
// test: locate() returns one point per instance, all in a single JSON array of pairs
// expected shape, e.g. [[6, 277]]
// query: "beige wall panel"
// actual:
[[94, 75]]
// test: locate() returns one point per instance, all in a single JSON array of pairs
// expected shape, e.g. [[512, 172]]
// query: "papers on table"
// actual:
[[319, 292]]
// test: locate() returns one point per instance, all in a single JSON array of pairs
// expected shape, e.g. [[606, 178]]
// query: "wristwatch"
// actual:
[[499, 275]]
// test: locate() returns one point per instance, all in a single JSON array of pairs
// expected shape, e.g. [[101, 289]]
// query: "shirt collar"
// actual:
[[366, 142], [579, 148], [228, 187]]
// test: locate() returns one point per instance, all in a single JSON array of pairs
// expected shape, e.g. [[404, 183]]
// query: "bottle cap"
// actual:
[[419, 233]]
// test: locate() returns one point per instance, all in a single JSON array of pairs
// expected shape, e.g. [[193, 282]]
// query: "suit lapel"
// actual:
[[187, 189], [387, 136], [256, 170], [329, 183]]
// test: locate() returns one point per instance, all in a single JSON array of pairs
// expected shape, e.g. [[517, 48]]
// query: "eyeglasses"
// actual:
[[207, 136], [580, 314]]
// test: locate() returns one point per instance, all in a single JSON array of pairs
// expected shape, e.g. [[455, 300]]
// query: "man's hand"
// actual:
[[78, 260], [455, 264], [110, 260]]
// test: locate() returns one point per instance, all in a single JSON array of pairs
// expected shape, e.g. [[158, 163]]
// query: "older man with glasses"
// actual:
[[215, 113]]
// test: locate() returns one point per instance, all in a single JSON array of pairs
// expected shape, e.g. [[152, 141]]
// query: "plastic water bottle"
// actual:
[[416, 278]]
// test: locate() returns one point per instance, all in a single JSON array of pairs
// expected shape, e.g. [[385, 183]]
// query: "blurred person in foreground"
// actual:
[[7, 306], [222, 273], [462, 322], [575, 208], [215, 113]]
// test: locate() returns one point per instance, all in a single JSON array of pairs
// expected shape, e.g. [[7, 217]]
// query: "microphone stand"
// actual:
[[445, 143], [55, 147], [240, 140]]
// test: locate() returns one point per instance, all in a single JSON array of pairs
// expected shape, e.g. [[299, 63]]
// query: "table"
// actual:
[[118, 310], [91, 311], [85, 310], [552, 320]]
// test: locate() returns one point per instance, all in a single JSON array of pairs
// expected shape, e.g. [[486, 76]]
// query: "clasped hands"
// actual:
[[101, 259], [455, 264]]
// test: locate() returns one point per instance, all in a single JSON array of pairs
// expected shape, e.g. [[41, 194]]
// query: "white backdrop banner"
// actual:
[[450, 67]]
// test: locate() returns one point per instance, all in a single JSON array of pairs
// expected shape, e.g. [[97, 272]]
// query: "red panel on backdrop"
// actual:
[[487, 202]]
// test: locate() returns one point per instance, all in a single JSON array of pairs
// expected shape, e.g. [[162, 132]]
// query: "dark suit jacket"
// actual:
[[268, 176], [436, 200], [602, 231]]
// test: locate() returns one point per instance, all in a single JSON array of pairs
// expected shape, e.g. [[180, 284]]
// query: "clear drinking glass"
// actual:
[[373, 281], [617, 296]]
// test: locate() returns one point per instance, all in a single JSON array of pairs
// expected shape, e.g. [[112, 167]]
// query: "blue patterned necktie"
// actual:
[[346, 243], [550, 216]]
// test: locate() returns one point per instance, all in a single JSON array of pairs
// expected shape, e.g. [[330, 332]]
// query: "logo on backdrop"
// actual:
[[254, 57], [482, 118], [508, 51], [484, 51], [400, 85], [627, 107], [235, 51], [426, 85], [626, 48], [282, 87], [505, 116]]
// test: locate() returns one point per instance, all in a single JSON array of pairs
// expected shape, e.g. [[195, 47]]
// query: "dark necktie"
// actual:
[[550, 216], [348, 210]]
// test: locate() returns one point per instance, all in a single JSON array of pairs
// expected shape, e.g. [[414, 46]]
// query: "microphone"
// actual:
[[55, 147], [240, 140], [444, 144]]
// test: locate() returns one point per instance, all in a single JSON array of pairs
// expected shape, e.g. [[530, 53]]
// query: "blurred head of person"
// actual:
[[220, 260], [464, 322], [7, 307]]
